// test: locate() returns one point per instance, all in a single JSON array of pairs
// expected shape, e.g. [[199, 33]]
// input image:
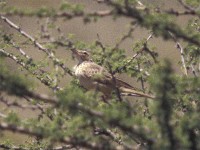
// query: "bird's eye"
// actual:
[[85, 53]]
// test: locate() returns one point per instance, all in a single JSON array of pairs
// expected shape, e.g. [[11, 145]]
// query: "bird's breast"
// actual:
[[82, 69]]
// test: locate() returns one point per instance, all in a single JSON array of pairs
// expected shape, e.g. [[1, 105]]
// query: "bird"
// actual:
[[93, 76]]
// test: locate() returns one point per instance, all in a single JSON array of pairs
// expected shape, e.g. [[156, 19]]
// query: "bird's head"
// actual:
[[80, 55]]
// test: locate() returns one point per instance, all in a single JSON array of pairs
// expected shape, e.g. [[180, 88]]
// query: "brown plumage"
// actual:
[[94, 76]]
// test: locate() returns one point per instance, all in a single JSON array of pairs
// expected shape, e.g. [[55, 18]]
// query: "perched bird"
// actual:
[[94, 76]]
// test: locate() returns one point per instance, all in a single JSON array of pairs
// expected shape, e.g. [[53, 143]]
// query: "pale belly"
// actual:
[[85, 74]]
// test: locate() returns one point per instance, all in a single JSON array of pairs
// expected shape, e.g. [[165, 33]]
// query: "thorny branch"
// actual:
[[123, 38], [27, 93], [134, 13], [16, 104], [186, 6], [37, 44], [28, 131], [46, 82], [112, 73], [21, 51], [67, 15], [180, 48], [131, 130], [133, 57], [182, 13], [189, 10], [193, 70], [14, 147], [113, 136], [110, 69]]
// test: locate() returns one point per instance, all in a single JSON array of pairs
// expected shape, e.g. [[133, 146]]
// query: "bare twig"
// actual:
[[15, 104], [99, 43], [2, 115], [180, 48], [124, 37], [21, 50], [13, 147], [14, 26], [64, 147], [131, 130], [182, 57], [20, 129], [24, 92], [102, 13], [101, 1], [42, 97], [140, 17], [141, 80], [193, 70], [67, 15], [31, 60], [185, 5], [31, 132], [189, 10], [110, 69], [24, 65], [40, 107], [139, 94], [182, 13], [133, 57], [113, 136], [37, 44], [115, 83]]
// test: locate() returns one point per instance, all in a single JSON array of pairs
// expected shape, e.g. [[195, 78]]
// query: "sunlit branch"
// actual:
[[180, 48], [37, 44], [24, 65], [16, 104], [133, 13], [133, 57], [132, 130], [13, 147], [31, 132], [113, 136]]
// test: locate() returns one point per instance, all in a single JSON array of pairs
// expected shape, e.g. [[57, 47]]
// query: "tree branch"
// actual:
[[133, 13], [31, 132], [133, 57], [46, 82], [180, 48], [15, 104], [113, 136], [37, 44]]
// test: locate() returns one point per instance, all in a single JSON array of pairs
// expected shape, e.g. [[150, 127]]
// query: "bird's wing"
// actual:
[[91, 70], [101, 75], [121, 83]]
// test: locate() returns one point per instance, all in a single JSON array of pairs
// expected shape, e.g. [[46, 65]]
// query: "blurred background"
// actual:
[[109, 30]]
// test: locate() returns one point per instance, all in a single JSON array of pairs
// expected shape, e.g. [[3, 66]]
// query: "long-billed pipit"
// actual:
[[94, 76]]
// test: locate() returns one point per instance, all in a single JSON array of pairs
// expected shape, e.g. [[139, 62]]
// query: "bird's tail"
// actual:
[[132, 92]]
